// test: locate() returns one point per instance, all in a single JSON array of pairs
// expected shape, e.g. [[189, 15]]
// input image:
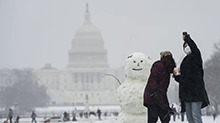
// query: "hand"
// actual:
[[172, 111], [186, 36], [176, 71]]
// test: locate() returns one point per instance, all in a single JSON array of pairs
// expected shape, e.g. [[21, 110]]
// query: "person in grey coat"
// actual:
[[33, 117], [10, 115]]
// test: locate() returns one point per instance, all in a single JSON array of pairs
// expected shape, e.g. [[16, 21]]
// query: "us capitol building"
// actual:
[[87, 77]]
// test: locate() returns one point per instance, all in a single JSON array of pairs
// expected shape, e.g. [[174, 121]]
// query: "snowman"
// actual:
[[130, 92]]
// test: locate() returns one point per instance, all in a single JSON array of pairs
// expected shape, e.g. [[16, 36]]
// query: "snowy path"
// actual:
[[206, 119]]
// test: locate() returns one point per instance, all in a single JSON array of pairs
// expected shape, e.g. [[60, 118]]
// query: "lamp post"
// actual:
[[87, 106], [15, 108], [73, 106]]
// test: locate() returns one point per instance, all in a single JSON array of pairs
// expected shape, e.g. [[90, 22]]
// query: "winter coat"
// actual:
[[156, 89], [191, 82], [33, 115], [10, 114]]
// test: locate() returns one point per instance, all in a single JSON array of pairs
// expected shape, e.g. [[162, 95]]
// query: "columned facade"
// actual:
[[83, 80]]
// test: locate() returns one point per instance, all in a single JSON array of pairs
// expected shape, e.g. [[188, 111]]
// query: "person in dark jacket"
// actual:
[[17, 119], [155, 93], [99, 113], [33, 117], [192, 93]]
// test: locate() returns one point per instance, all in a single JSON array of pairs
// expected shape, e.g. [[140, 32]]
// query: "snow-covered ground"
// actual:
[[206, 119]]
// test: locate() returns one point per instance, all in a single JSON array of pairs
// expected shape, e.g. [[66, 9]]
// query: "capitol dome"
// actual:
[[87, 47], [88, 28]]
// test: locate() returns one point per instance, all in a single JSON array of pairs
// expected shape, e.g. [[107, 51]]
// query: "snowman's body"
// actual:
[[130, 92]]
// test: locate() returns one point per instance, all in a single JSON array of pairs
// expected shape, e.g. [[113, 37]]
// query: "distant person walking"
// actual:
[[17, 119], [105, 114], [81, 114], [10, 115], [192, 93], [174, 112], [33, 117], [74, 116], [99, 113], [182, 114]]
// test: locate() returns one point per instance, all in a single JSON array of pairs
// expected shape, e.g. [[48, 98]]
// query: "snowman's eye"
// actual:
[[134, 61], [141, 60]]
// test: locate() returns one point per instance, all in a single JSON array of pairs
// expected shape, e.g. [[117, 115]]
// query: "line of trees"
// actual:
[[212, 75], [24, 93]]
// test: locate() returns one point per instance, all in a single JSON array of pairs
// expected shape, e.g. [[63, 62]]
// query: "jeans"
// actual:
[[193, 112]]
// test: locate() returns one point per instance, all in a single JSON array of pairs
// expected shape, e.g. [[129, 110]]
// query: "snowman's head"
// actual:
[[137, 66]]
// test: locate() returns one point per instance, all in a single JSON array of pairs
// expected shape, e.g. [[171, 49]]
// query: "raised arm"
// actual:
[[195, 50]]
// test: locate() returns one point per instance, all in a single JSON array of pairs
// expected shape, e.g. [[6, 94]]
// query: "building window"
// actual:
[[92, 77], [87, 77], [82, 77], [98, 77], [76, 77]]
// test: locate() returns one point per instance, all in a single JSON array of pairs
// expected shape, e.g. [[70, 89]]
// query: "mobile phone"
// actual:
[[185, 33]]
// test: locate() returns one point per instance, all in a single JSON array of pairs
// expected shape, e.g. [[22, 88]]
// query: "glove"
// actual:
[[172, 111]]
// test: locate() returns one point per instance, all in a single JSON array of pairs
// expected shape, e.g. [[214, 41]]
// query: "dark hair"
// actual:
[[169, 63]]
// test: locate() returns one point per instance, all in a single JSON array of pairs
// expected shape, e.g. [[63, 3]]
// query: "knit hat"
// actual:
[[165, 53]]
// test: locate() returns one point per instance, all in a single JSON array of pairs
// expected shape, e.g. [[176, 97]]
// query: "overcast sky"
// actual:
[[35, 32]]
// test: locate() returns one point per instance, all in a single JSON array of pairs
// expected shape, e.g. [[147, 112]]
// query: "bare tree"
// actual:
[[25, 93], [212, 74]]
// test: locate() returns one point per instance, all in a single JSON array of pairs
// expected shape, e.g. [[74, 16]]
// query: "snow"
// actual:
[[130, 92], [111, 119]]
